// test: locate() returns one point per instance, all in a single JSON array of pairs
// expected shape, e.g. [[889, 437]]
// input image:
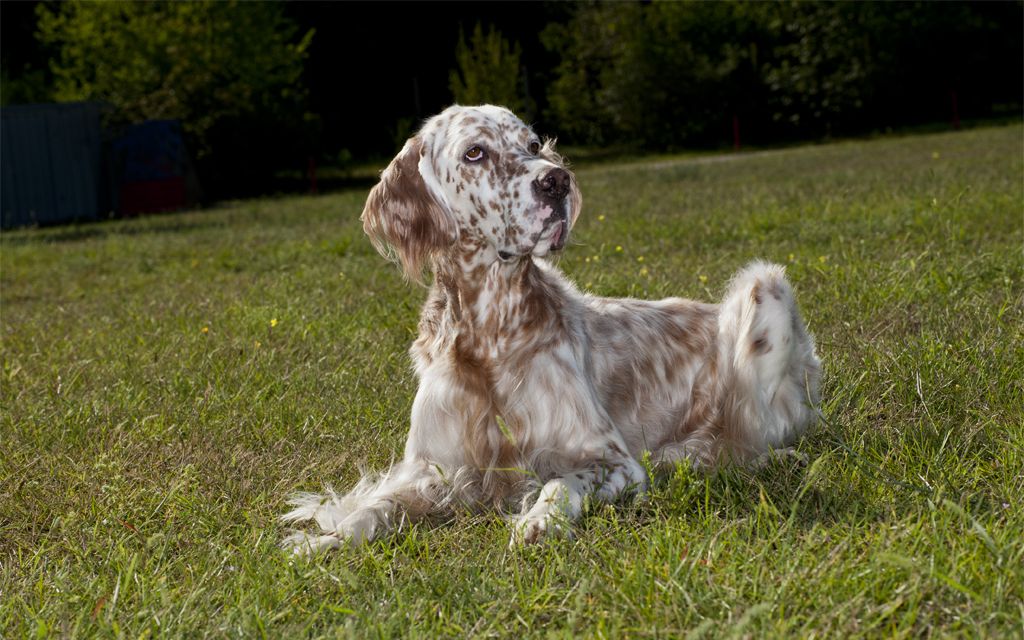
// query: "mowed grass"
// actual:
[[168, 381]]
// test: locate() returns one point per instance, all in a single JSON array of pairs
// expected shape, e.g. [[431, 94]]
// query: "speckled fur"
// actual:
[[532, 392]]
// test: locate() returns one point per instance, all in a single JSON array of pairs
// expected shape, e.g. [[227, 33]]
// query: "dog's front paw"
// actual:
[[301, 543], [534, 529], [787, 454]]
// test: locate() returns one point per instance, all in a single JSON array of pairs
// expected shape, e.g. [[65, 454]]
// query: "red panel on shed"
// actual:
[[153, 195]]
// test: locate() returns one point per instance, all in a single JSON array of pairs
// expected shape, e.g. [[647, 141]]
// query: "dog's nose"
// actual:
[[553, 185]]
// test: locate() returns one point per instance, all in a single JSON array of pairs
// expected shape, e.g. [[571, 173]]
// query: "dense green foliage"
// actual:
[[167, 381], [664, 74], [221, 68], [488, 71], [200, 62], [25, 87]]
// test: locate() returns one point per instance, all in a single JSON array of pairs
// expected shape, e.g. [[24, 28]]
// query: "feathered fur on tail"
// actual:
[[771, 372]]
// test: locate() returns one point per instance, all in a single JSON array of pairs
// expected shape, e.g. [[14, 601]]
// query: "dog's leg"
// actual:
[[561, 500], [410, 490]]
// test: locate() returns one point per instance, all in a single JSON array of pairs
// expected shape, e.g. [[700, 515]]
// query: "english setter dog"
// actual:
[[525, 382]]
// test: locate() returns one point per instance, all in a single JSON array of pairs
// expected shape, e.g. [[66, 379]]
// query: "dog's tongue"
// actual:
[[558, 240]]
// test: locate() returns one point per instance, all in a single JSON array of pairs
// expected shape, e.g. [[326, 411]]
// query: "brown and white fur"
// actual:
[[524, 381]]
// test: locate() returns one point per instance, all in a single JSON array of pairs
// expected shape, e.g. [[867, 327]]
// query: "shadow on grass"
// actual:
[[172, 221], [154, 223], [783, 492]]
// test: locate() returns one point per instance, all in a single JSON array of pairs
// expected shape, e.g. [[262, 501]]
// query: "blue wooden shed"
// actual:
[[52, 164]]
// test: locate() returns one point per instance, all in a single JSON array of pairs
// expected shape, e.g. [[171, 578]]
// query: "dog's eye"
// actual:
[[475, 154], [534, 147]]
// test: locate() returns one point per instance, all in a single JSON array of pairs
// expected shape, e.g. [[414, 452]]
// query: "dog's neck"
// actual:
[[496, 298]]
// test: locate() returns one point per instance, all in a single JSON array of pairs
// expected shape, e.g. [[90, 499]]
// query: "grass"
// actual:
[[167, 381]]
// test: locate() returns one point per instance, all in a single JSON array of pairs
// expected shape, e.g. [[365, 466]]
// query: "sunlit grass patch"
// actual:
[[167, 381]]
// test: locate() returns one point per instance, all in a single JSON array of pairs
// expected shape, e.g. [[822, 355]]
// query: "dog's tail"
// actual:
[[770, 372]]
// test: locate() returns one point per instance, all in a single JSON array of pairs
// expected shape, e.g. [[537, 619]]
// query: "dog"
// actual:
[[531, 391]]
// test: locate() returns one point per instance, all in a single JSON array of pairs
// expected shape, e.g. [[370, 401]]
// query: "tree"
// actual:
[[489, 72], [202, 62], [588, 46]]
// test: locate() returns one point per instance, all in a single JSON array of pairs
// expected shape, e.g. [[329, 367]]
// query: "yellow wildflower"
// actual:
[[639, 258], [703, 278], [205, 329], [618, 248], [600, 218], [644, 271], [273, 322]]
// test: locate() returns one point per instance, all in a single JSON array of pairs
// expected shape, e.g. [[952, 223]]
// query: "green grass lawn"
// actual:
[[168, 381]]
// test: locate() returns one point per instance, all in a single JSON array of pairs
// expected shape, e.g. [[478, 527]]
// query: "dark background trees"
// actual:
[[231, 73], [261, 87], [665, 75]]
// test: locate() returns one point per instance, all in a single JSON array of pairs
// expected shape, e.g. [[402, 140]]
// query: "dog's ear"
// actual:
[[405, 220]]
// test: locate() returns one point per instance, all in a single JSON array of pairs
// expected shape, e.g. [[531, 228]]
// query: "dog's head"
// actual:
[[475, 183]]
